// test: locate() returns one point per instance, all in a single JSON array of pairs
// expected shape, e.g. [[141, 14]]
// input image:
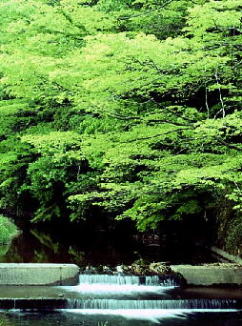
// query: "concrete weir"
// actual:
[[39, 274], [208, 275], [68, 274]]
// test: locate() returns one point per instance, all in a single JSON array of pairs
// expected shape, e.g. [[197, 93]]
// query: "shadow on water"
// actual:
[[43, 246], [99, 247]]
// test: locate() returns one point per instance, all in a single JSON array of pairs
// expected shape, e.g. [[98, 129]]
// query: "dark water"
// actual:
[[128, 318], [106, 300], [96, 248]]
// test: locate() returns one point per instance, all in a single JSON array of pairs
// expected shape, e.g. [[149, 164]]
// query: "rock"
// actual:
[[119, 269], [127, 269], [107, 270], [90, 270]]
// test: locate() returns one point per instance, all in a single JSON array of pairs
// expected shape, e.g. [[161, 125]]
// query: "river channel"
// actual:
[[114, 300]]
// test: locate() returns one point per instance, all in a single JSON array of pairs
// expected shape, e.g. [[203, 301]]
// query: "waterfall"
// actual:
[[138, 297], [219, 317], [117, 291], [118, 300], [125, 280], [112, 304], [121, 286]]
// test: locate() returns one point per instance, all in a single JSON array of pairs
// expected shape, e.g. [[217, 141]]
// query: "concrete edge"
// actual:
[[39, 274], [225, 255], [210, 275]]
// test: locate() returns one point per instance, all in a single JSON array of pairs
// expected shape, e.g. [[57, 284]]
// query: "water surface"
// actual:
[[43, 245], [125, 318]]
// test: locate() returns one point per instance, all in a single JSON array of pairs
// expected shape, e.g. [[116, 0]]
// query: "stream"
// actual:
[[114, 300], [81, 247], [118, 300]]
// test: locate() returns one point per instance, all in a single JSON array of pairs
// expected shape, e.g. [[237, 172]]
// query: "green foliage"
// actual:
[[60, 162], [234, 237], [15, 157], [8, 230], [162, 18], [129, 108]]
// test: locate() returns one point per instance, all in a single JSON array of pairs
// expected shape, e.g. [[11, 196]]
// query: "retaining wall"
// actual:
[[39, 274], [207, 275]]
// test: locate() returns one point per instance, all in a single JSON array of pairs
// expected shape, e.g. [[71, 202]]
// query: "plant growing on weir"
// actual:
[[4, 321], [102, 323]]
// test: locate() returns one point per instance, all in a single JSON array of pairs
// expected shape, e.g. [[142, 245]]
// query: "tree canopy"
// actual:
[[128, 107]]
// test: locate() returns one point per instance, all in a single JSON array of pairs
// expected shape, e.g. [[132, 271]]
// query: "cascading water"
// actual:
[[127, 300], [125, 280], [151, 304], [122, 286], [138, 297]]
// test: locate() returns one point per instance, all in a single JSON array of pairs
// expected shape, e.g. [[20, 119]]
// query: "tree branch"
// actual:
[[126, 118], [70, 20], [206, 102], [147, 12], [154, 136], [220, 96]]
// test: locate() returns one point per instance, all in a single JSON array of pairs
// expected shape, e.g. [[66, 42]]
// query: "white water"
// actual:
[[120, 285], [132, 297], [123, 280], [114, 304], [117, 290], [152, 315]]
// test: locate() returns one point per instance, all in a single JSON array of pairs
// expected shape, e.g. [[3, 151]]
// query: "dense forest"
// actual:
[[123, 109]]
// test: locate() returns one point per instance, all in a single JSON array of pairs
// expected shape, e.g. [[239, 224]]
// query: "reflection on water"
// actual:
[[42, 247], [128, 318], [4, 250], [104, 306], [94, 248]]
